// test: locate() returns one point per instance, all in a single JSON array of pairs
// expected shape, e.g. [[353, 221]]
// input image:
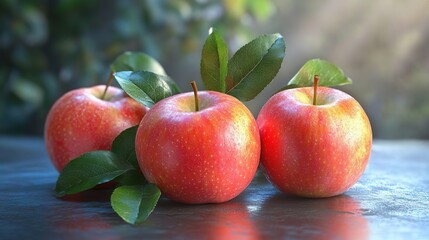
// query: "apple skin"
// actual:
[[209, 156], [310, 150], [80, 122]]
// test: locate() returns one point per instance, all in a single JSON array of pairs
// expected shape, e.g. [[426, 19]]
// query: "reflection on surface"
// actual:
[[330, 218], [393, 192], [260, 213], [89, 212], [83, 214], [229, 220], [77, 219]]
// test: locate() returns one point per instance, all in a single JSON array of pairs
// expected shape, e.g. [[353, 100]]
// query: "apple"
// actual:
[[199, 155], [314, 142], [83, 120]]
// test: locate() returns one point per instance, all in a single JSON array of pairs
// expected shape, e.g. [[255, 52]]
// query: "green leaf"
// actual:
[[124, 146], [254, 65], [132, 177], [134, 204], [146, 87], [89, 170], [214, 62], [329, 74], [136, 61]]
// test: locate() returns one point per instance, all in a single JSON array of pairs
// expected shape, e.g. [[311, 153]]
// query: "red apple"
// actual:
[[314, 150], [204, 156], [80, 121]]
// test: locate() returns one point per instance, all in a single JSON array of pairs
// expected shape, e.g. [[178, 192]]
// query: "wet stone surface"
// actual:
[[391, 201]]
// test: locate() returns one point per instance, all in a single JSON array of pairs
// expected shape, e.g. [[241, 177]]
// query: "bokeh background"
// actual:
[[49, 47]]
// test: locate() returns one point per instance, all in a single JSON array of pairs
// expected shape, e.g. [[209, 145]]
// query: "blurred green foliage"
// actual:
[[49, 47]]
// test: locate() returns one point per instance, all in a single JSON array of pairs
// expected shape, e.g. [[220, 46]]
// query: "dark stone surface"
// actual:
[[391, 201]]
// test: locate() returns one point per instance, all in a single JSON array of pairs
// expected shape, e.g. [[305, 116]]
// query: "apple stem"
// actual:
[[197, 105], [316, 82], [109, 82]]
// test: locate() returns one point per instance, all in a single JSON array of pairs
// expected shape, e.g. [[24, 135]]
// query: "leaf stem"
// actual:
[[197, 105], [316, 82], [109, 82]]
